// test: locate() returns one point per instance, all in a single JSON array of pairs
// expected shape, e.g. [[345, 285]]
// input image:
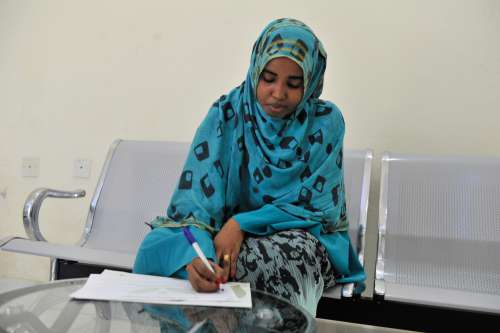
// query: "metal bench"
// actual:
[[135, 186], [439, 232]]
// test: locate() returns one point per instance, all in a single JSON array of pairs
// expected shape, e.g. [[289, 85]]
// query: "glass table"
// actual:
[[48, 308]]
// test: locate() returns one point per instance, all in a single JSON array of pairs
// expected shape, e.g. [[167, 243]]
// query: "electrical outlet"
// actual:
[[81, 168], [31, 167]]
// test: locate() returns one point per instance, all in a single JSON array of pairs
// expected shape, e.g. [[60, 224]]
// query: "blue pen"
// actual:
[[192, 241]]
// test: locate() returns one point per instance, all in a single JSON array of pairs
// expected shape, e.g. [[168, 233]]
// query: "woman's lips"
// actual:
[[276, 107]]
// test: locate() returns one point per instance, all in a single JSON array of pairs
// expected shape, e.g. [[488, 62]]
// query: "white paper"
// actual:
[[127, 287]]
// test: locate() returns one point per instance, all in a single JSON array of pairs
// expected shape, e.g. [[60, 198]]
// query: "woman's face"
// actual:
[[280, 87]]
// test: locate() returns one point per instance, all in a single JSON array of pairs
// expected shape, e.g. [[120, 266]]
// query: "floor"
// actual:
[[329, 326]]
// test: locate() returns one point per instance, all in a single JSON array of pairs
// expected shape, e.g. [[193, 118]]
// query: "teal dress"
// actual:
[[274, 176]]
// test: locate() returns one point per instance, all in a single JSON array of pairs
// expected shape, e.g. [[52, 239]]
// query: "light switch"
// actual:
[[81, 168], [31, 167]]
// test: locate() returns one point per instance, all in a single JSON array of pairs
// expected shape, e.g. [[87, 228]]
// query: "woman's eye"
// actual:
[[295, 85], [268, 78]]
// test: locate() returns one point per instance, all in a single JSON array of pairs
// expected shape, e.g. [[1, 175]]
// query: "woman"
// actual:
[[262, 188]]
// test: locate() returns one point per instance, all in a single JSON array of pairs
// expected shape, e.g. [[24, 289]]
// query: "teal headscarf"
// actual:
[[272, 173]]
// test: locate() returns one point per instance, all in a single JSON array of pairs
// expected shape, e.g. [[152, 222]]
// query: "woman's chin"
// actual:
[[276, 112]]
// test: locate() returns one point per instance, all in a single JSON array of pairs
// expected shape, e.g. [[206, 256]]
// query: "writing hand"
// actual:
[[227, 246], [201, 278]]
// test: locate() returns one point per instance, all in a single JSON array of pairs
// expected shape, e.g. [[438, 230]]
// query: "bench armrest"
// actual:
[[32, 208]]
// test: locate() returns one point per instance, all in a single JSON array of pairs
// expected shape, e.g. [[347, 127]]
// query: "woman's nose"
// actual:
[[279, 92]]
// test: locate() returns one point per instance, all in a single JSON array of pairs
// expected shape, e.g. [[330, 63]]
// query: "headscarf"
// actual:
[[270, 173]]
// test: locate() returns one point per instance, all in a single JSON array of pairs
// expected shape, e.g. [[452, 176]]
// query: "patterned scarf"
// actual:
[[242, 159]]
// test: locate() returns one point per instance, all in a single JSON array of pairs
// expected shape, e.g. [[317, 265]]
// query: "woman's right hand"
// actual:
[[201, 278]]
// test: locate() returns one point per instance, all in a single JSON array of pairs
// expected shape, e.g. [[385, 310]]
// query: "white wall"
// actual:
[[410, 76]]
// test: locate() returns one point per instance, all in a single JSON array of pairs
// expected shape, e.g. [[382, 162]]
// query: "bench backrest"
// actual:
[[439, 224], [136, 184], [138, 179]]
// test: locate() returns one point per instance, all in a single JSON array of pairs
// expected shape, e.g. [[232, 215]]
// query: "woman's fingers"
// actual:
[[219, 273], [224, 258], [204, 271], [228, 262], [199, 283], [201, 278], [226, 266], [218, 254], [233, 262]]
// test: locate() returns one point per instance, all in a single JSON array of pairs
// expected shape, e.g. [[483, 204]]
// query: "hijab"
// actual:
[[271, 173]]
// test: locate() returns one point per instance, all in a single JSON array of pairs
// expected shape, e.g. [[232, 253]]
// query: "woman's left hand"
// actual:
[[227, 246]]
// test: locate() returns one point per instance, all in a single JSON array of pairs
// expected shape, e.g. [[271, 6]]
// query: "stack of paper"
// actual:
[[127, 287]]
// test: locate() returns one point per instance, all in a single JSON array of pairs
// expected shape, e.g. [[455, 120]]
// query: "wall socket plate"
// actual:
[[30, 167], [81, 168]]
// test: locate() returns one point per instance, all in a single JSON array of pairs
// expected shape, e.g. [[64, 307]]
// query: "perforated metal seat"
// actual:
[[135, 186], [439, 231]]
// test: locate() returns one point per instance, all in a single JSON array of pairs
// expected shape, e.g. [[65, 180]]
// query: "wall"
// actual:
[[410, 76]]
